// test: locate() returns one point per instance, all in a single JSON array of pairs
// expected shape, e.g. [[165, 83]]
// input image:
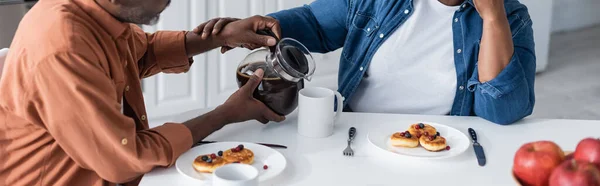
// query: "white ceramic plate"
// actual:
[[263, 155], [458, 141]]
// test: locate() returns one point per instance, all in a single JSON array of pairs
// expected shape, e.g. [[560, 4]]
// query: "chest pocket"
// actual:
[[362, 29]]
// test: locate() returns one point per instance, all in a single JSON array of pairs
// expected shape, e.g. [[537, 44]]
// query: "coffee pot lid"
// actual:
[[292, 60]]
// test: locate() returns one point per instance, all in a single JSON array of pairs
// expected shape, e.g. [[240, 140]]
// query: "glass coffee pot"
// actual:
[[285, 66]]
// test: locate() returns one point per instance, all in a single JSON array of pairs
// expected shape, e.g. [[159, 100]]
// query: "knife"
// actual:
[[265, 144], [478, 148]]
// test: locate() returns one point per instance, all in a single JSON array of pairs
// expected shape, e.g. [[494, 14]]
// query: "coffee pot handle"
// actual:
[[340, 105]]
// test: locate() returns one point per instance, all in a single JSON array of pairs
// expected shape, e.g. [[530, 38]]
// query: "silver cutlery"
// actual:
[[478, 148], [351, 134], [265, 144]]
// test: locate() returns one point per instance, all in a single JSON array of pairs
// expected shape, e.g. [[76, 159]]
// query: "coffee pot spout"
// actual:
[[308, 78]]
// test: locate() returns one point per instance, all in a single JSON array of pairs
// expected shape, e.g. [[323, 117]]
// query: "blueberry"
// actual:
[[209, 161], [437, 133], [220, 153], [204, 158], [421, 125], [407, 135], [241, 147]]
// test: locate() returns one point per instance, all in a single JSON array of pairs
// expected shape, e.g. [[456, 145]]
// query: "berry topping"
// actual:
[[220, 153], [447, 147], [418, 135], [416, 126], [421, 125], [204, 158], [265, 167], [426, 133], [402, 133], [431, 138], [209, 161], [241, 147], [407, 135], [213, 156], [437, 133], [237, 149]]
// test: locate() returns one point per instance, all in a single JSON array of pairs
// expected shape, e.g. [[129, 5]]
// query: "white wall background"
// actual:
[[575, 14]]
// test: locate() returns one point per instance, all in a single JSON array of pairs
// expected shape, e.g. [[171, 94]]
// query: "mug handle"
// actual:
[[340, 103]]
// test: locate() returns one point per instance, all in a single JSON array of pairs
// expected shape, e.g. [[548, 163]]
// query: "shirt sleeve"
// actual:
[[510, 96], [162, 51], [77, 102], [321, 26]]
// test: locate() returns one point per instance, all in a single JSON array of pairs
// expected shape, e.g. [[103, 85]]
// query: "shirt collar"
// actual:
[[469, 2], [113, 26]]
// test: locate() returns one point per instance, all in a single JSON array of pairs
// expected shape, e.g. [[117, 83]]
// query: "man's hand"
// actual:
[[241, 106], [241, 33], [213, 26], [490, 9]]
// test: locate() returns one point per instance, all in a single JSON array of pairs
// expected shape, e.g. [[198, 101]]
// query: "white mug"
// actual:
[[235, 174], [316, 116]]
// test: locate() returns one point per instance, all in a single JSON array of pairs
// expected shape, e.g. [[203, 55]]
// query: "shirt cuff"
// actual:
[[169, 49], [178, 136], [508, 80]]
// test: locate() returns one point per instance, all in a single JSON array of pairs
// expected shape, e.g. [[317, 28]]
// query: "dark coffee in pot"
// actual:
[[278, 94]]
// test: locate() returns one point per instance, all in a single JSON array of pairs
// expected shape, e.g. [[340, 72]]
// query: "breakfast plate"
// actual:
[[457, 141], [275, 162]]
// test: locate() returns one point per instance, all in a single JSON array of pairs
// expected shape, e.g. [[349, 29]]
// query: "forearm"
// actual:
[[204, 125], [194, 44], [496, 48]]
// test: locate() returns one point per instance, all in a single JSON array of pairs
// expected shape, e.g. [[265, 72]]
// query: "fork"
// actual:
[[351, 134]]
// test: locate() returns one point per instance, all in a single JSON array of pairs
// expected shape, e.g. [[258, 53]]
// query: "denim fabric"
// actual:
[[361, 26]]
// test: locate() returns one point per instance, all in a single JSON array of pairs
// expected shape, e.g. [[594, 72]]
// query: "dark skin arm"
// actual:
[[496, 42], [213, 34], [240, 106]]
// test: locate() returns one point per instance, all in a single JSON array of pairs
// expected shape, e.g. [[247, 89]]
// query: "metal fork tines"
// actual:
[[351, 133]]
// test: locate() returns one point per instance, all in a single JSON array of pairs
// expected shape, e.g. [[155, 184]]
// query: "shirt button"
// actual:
[[459, 51], [127, 88], [368, 29], [143, 117], [461, 87], [406, 11], [361, 68], [124, 141], [455, 19], [381, 35]]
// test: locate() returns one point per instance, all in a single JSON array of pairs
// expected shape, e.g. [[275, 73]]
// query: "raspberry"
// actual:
[[265, 167], [447, 147], [213, 156]]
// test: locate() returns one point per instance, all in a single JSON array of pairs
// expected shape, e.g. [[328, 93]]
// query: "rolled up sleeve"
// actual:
[[77, 103], [164, 52], [510, 96]]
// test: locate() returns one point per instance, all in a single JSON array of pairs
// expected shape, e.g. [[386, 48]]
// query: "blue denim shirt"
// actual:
[[361, 26]]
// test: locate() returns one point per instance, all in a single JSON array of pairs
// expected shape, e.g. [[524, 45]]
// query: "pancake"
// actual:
[[244, 156], [437, 144], [205, 167], [426, 130], [400, 139]]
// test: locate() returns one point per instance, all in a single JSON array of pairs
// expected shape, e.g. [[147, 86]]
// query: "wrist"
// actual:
[[494, 17]]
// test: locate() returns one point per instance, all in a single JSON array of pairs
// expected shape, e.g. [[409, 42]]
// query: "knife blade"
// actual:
[[478, 148], [265, 144]]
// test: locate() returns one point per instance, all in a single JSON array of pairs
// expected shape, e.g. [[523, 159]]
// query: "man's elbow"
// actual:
[[119, 172], [117, 176], [509, 118]]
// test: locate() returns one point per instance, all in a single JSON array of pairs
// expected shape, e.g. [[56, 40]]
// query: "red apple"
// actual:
[[588, 150], [535, 161], [575, 173]]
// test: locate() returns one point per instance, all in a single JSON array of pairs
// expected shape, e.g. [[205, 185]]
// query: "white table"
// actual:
[[320, 161]]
